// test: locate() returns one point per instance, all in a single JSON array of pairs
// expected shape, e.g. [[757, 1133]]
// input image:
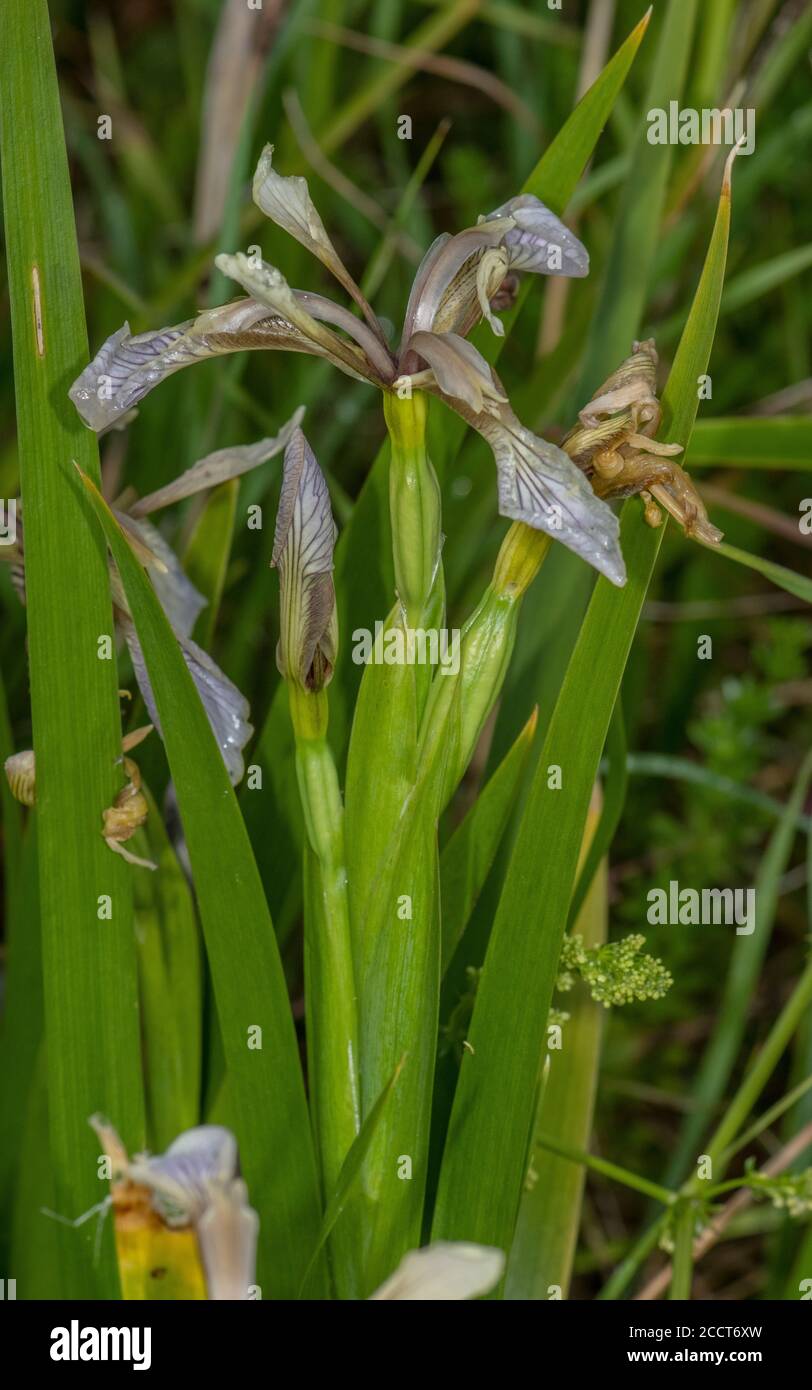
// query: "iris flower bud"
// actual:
[[303, 553]]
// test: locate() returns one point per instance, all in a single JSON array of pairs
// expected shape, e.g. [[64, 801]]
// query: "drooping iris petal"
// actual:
[[216, 468], [303, 553], [443, 1272], [459, 368], [538, 241], [539, 485], [126, 368], [418, 284], [286, 200], [460, 274]]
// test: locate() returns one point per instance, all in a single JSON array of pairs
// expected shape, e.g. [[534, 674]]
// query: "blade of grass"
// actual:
[[21, 1035], [550, 1210], [614, 797], [399, 1013], [170, 967], [683, 1267], [681, 770], [12, 815], [36, 1248], [783, 578], [758, 280], [273, 1126], [387, 78], [777, 442], [91, 1004]]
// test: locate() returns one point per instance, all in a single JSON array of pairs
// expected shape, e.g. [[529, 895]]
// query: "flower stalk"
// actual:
[[414, 504], [459, 705], [330, 976], [308, 643]]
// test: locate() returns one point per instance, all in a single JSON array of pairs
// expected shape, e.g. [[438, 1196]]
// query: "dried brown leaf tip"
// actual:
[[614, 444]]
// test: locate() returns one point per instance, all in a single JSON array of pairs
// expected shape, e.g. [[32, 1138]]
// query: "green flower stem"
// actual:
[[330, 983], [619, 1281], [768, 1119], [414, 504], [460, 704], [683, 1266], [605, 1168]]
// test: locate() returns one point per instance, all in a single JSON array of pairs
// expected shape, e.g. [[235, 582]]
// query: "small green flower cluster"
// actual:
[[616, 973], [792, 1192]]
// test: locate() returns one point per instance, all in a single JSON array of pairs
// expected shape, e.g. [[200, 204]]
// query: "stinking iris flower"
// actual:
[[461, 280]]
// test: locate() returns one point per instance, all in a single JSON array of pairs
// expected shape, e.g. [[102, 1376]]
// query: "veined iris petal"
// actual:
[[218, 467], [539, 485], [539, 241], [126, 368]]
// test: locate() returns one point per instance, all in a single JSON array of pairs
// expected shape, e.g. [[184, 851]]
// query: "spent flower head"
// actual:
[[613, 443], [194, 1184], [461, 280]]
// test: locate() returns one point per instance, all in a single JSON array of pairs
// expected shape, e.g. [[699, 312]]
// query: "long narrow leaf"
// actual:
[[467, 858], [543, 1249], [91, 1004]]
